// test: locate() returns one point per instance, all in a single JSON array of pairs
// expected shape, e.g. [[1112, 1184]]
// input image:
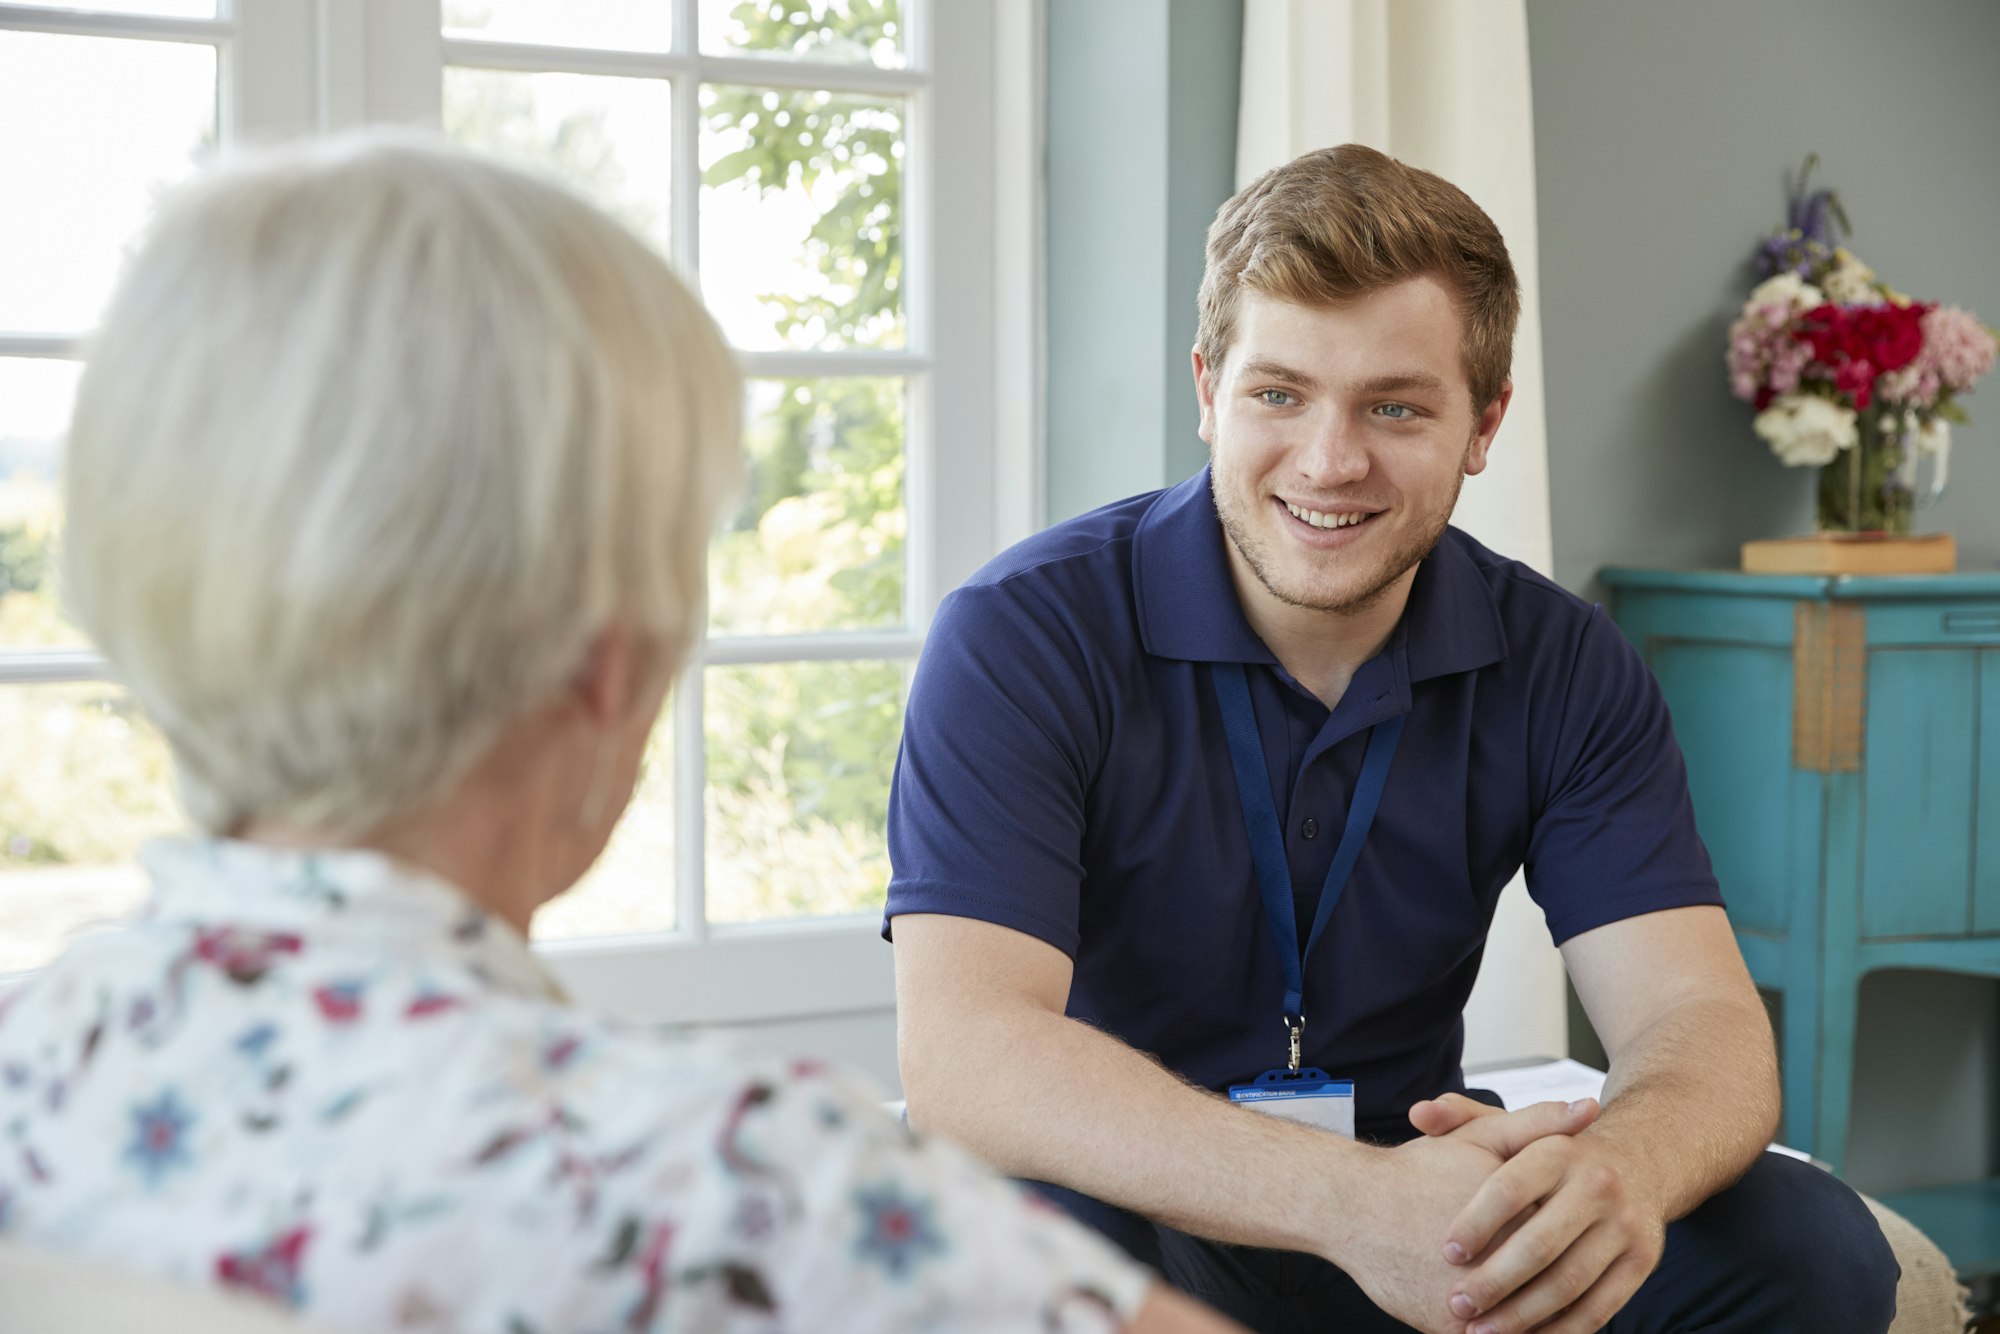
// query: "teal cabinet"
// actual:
[[1843, 748]]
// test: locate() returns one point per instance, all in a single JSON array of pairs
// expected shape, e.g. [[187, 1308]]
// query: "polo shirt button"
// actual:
[[1310, 827]]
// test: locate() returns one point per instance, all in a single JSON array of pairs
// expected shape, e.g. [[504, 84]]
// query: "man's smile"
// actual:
[[1324, 526]]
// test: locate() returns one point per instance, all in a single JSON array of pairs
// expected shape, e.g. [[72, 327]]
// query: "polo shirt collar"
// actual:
[[1188, 607]]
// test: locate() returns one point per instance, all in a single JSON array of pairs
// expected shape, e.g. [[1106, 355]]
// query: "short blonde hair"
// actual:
[[374, 439], [1343, 222]]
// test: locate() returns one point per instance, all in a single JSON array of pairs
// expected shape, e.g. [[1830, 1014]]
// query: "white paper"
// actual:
[[1560, 1081]]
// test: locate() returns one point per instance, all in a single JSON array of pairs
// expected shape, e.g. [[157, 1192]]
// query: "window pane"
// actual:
[[86, 780], [818, 544], [799, 758], [845, 32], [82, 181], [604, 136], [35, 399], [630, 891], [802, 217], [611, 25]]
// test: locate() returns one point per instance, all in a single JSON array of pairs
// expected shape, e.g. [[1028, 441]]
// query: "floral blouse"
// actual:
[[332, 1080]]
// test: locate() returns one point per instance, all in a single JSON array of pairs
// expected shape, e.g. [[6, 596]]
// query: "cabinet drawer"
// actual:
[[1941, 623]]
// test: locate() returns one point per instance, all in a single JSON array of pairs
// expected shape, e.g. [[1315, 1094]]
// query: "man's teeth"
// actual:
[[1319, 520]]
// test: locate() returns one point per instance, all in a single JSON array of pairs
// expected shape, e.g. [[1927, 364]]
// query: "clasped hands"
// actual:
[[1503, 1222]]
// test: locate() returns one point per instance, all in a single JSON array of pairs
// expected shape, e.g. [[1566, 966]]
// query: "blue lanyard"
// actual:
[[1267, 840]]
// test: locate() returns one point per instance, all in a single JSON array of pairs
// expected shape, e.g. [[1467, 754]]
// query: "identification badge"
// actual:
[[1308, 1096]]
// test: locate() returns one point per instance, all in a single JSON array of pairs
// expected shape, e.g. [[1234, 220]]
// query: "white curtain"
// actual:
[[1442, 85]]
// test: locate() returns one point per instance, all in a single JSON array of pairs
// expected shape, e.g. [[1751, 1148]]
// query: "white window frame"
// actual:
[[972, 247]]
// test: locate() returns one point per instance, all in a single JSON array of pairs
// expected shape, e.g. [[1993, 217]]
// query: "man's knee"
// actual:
[[1804, 1246]]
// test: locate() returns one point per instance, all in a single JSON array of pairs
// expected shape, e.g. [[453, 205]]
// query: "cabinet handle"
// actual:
[[1972, 622]]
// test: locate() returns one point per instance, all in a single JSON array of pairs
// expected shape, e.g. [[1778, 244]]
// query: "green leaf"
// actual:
[[622, 1244]]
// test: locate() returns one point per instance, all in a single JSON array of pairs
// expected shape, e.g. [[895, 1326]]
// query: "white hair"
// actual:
[[375, 439]]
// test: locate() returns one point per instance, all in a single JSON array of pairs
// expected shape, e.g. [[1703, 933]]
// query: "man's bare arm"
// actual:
[[1691, 1100], [1694, 1071], [989, 1058]]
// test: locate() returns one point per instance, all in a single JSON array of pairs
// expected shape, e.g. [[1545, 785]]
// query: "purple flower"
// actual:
[[1814, 224], [159, 1137], [897, 1232]]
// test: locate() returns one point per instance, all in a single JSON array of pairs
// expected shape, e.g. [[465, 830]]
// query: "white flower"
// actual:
[[1806, 431], [1851, 282], [1786, 289]]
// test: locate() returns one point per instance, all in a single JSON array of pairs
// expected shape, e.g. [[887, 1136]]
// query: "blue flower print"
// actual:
[[257, 1040], [159, 1137], [896, 1231]]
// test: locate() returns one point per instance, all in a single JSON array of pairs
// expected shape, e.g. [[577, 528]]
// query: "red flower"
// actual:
[[271, 1270], [339, 1002], [430, 1003], [243, 955], [1854, 344]]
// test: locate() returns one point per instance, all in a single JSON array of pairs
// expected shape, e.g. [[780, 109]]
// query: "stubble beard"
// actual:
[[1400, 561]]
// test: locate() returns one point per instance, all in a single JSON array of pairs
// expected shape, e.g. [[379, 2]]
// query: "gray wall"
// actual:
[[1661, 136], [1141, 152]]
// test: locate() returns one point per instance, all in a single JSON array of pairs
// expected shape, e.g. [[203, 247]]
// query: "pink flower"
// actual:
[[1957, 351], [1764, 359]]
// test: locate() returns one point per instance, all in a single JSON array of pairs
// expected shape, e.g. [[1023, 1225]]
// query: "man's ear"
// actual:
[[1486, 428], [1204, 394]]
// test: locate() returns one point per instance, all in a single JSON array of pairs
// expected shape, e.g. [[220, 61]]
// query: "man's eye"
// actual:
[[1396, 411], [1277, 398]]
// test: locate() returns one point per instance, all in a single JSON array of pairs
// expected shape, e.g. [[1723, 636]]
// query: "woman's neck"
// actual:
[[478, 841]]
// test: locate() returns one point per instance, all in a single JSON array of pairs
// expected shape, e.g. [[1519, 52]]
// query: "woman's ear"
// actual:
[[607, 686]]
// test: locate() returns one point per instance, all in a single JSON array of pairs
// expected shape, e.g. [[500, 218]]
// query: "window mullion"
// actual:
[[45, 667], [43, 346], [690, 741], [920, 473], [89, 23], [690, 803], [686, 150], [270, 73]]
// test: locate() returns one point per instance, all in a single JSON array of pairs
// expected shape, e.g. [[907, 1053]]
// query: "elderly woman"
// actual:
[[388, 489]]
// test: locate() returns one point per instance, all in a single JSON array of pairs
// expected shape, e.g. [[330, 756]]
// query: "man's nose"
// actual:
[[1335, 454]]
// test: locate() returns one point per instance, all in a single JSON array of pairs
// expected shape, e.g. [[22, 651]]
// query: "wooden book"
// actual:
[[1851, 553]]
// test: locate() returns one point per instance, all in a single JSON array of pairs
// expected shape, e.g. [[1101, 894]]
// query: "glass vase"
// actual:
[[1867, 489]]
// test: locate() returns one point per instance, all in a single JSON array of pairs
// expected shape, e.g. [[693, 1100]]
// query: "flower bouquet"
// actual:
[[1849, 375]]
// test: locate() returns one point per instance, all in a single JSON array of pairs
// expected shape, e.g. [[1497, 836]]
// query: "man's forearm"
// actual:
[[1043, 1096], [1693, 1099]]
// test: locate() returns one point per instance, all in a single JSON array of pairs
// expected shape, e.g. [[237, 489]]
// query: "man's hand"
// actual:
[[1420, 1189], [1564, 1233], [1441, 1116]]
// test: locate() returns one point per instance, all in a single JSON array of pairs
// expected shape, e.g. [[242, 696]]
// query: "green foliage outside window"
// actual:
[[824, 517]]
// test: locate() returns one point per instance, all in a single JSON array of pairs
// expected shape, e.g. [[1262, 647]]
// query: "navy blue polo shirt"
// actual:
[[1064, 772]]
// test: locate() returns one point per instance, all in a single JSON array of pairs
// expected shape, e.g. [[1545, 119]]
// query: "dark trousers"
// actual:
[[1789, 1249]]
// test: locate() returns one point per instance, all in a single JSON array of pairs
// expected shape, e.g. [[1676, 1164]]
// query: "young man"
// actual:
[[1158, 753]]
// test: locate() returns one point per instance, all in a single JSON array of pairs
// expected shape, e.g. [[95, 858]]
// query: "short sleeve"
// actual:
[[1615, 835], [889, 1232], [986, 812]]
